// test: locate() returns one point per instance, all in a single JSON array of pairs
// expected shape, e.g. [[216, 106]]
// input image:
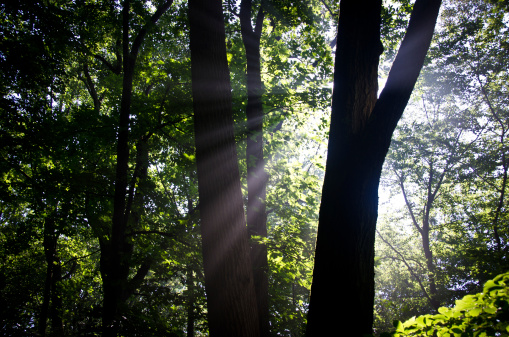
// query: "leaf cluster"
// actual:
[[482, 314]]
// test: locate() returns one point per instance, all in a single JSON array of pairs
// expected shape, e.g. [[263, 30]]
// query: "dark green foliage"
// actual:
[[61, 88]]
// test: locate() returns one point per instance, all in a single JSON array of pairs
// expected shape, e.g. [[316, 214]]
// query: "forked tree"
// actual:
[[231, 299], [342, 292]]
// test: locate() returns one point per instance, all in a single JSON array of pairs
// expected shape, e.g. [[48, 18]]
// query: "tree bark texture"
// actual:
[[342, 292], [256, 175], [231, 300]]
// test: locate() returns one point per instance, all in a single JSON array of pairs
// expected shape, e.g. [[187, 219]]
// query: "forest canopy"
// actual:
[[170, 167]]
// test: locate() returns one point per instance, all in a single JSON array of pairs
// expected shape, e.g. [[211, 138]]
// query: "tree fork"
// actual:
[[256, 175], [360, 134]]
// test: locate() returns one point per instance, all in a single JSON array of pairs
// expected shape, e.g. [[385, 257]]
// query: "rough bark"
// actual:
[[360, 134], [256, 175], [231, 300]]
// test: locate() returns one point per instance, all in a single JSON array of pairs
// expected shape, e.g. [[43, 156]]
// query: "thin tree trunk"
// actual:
[[191, 316], [191, 288], [57, 326], [410, 269], [52, 296], [426, 246], [231, 299], [501, 200], [505, 164], [360, 133], [424, 231], [116, 251], [50, 245], [430, 265], [256, 175]]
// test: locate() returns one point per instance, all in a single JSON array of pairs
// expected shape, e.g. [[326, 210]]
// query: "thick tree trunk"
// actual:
[[229, 284], [256, 175], [360, 134], [344, 258], [114, 279]]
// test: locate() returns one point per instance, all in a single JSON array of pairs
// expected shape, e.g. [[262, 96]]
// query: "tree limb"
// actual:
[[407, 202], [410, 269], [115, 69], [152, 21]]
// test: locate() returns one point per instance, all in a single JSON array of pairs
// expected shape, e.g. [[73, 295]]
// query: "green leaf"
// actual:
[[490, 310]]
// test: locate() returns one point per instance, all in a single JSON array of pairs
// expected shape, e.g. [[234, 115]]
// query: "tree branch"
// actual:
[[137, 279], [115, 69], [410, 269], [334, 15], [152, 21], [91, 88], [407, 202], [405, 69], [259, 21]]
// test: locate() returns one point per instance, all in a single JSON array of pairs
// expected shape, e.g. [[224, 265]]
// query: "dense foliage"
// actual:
[[61, 85], [62, 88]]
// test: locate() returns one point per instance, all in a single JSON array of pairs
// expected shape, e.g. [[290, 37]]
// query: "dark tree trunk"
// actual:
[[430, 265], [191, 316], [256, 175], [231, 300], [52, 296], [57, 325], [116, 250], [425, 232], [50, 247], [360, 134]]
